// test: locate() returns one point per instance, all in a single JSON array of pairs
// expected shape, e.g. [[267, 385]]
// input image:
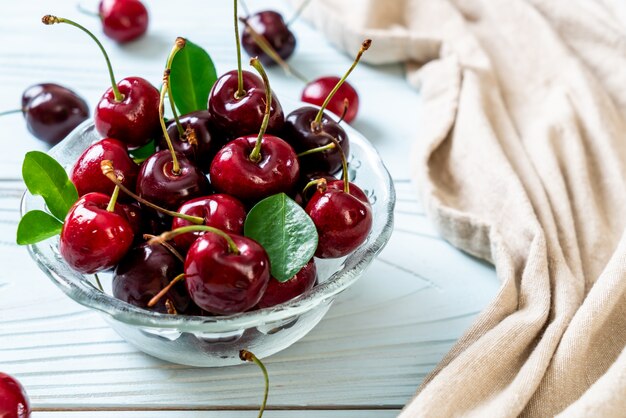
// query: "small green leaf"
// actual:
[[36, 226], [141, 154], [191, 78], [286, 232], [47, 178]]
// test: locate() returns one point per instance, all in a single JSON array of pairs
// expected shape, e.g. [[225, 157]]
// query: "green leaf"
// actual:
[[47, 178], [191, 78], [286, 232], [36, 226], [141, 154]]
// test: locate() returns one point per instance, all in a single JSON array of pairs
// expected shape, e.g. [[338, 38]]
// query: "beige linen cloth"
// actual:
[[521, 161]]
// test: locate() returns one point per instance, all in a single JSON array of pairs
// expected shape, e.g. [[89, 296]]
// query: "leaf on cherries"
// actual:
[[286, 232], [45, 177], [191, 78], [141, 154], [37, 225]]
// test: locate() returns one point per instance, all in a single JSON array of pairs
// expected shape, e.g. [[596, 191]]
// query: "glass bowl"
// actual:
[[216, 341]]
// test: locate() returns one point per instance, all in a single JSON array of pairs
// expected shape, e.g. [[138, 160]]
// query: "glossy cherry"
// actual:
[[87, 173], [200, 142], [298, 131], [236, 117], [278, 292], [158, 183], [13, 398], [123, 20], [271, 26], [143, 272], [234, 173], [220, 211], [342, 220], [224, 282], [134, 119], [94, 239], [316, 91], [52, 111], [354, 190]]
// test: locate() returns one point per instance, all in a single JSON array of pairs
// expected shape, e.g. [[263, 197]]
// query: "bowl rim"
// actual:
[[354, 264]]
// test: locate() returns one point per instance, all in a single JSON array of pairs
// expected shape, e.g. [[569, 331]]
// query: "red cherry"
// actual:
[[273, 28], [13, 399], [93, 239], [158, 183], [123, 20], [239, 117], [233, 172], [221, 281], [317, 90], [343, 222], [278, 292], [220, 211], [87, 173], [135, 119]]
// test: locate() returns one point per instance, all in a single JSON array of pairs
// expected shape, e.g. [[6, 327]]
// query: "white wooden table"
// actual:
[[367, 356]]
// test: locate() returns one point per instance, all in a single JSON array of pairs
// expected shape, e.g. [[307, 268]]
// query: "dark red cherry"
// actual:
[[317, 90], [220, 211], [123, 20], [93, 239], [234, 173], [221, 281], [143, 272], [13, 398], [278, 292], [343, 222], [87, 174], [354, 190], [158, 183], [135, 119], [273, 28], [52, 111], [238, 117], [201, 141], [299, 133]]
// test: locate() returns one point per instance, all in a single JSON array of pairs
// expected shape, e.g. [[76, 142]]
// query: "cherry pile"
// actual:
[[187, 228]]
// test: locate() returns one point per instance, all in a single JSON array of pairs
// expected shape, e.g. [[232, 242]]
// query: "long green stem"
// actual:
[[10, 112], [51, 20], [255, 155], [116, 193], [196, 228], [182, 42], [240, 91], [109, 171], [264, 44], [167, 246], [364, 47], [316, 150], [246, 355], [166, 289], [344, 160]]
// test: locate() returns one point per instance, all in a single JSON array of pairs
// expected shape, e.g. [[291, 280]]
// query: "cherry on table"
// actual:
[[87, 173], [220, 211], [123, 20], [277, 292], [316, 91], [95, 235], [272, 27], [13, 398], [52, 111]]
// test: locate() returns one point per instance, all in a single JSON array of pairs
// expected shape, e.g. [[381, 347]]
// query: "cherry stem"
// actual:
[[298, 12], [246, 355], [109, 171], [317, 183], [166, 289], [165, 88], [364, 47], [344, 160], [346, 106], [181, 42], [87, 12], [255, 155], [318, 149], [114, 196], [10, 112], [98, 282], [264, 44], [195, 228], [240, 91], [167, 246], [51, 20]]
